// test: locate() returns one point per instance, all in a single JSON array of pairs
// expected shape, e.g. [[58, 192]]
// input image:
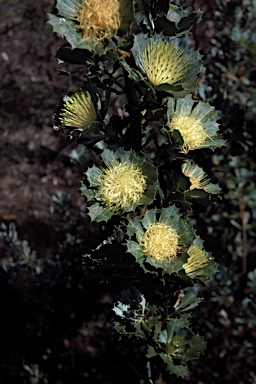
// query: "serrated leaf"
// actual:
[[197, 347], [151, 352], [188, 302], [178, 370], [163, 337], [173, 265], [98, 213], [86, 192]]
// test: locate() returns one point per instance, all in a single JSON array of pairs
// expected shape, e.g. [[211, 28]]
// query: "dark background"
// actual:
[[56, 319]]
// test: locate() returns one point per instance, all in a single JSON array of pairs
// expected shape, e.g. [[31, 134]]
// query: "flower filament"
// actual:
[[164, 63], [191, 130], [160, 241], [122, 186]]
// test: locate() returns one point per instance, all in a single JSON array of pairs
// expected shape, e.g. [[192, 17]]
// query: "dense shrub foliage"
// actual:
[[133, 293]]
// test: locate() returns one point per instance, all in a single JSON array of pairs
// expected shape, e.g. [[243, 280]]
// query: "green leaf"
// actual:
[[151, 352], [73, 56], [173, 265], [88, 193], [176, 23], [188, 302], [98, 213], [197, 347], [178, 370], [134, 248], [173, 327], [163, 337]]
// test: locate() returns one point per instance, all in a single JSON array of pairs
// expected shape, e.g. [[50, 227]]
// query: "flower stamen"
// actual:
[[197, 259], [160, 241], [164, 63], [121, 186], [78, 111], [191, 130], [98, 19]]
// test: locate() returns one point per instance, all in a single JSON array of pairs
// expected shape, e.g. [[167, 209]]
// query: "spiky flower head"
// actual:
[[87, 23], [166, 65], [196, 123], [160, 234], [123, 183], [160, 241], [198, 178], [77, 112]]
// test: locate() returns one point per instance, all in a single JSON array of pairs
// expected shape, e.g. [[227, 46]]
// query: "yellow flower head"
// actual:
[[198, 178], [196, 123], [122, 185], [98, 19], [197, 259], [77, 111], [160, 241], [164, 63], [191, 130]]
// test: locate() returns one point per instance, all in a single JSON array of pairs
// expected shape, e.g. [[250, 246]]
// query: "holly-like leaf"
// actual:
[[197, 347], [188, 302], [98, 213], [178, 370], [73, 56]]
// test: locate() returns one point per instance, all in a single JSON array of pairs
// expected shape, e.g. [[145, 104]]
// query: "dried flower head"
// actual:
[[121, 186], [160, 241], [197, 259], [198, 178], [164, 63], [196, 123], [77, 111], [97, 19]]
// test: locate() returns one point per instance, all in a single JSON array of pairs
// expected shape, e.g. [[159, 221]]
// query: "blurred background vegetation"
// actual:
[[56, 313]]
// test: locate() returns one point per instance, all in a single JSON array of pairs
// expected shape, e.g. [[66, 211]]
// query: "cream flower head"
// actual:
[[198, 178], [87, 23], [160, 241], [199, 263], [77, 112], [196, 123], [122, 185], [125, 182], [97, 19], [166, 65], [160, 235]]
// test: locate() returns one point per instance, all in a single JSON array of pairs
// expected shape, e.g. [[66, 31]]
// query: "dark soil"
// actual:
[[34, 158]]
